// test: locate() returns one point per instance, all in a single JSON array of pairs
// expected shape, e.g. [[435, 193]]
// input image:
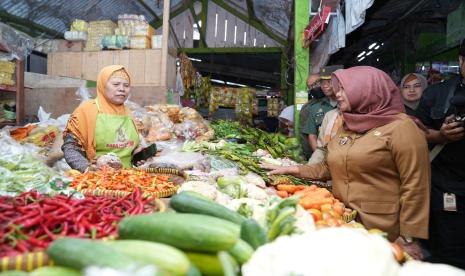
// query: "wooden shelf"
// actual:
[[2, 124], [5, 87]]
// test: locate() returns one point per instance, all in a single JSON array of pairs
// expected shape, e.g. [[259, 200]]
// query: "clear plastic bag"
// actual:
[[179, 160], [21, 170]]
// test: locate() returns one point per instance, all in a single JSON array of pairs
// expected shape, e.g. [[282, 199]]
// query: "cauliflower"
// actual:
[[258, 209], [203, 188], [305, 222], [415, 268], [255, 179], [255, 192], [324, 253]]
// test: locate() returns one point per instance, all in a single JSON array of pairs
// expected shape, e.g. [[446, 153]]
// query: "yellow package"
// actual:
[[7, 66], [79, 25], [42, 136]]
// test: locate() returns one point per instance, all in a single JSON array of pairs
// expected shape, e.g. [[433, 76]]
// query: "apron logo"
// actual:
[[121, 140]]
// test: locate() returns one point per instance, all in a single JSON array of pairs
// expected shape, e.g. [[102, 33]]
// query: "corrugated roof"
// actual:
[[58, 14]]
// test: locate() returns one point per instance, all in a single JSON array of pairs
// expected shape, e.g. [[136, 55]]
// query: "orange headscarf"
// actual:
[[82, 122]]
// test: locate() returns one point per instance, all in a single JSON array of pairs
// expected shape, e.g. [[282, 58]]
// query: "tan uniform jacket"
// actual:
[[384, 174]]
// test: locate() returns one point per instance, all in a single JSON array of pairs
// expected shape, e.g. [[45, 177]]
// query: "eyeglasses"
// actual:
[[416, 85]]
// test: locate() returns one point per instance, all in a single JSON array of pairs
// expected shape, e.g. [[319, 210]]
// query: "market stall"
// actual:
[[229, 214]]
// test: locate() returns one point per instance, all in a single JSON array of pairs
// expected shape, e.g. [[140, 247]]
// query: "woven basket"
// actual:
[[176, 176], [25, 262]]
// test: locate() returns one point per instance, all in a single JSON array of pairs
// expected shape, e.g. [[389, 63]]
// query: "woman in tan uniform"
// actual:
[[378, 161]]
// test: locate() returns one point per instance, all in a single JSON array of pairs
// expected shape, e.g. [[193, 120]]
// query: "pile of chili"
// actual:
[[122, 180], [30, 221]]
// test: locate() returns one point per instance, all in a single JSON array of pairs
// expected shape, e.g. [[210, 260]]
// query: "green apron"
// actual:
[[116, 134]]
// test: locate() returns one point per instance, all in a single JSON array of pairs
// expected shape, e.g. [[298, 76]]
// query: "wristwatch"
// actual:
[[407, 239]]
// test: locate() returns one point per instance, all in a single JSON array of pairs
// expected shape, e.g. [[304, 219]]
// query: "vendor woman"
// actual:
[[102, 125]]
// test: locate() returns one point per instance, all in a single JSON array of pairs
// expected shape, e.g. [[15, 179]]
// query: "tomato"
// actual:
[[316, 214]]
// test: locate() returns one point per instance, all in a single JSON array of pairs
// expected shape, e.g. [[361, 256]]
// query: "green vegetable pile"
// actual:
[[276, 144], [22, 172], [226, 129]]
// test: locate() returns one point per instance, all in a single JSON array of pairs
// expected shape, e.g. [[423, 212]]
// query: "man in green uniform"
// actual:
[[318, 109], [315, 94]]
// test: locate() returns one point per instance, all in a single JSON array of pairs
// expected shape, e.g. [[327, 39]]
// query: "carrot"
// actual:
[[290, 188], [282, 194]]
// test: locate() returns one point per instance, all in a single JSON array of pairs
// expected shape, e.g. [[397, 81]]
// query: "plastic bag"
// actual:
[[191, 129], [109, 160], [178, 160], [21, 170], [219, 163], [83, 94]]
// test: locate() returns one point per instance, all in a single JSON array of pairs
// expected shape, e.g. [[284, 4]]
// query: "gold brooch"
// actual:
[[343, 140]]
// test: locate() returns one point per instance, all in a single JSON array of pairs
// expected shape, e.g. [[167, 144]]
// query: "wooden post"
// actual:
[[164, 43], [301, 59]]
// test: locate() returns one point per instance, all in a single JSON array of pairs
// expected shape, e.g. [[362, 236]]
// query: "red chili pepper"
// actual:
[[21, 245]]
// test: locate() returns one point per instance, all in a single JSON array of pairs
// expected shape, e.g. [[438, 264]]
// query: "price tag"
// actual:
[[450, 203]]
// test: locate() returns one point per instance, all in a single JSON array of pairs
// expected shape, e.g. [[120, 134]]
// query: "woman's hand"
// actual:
[[273, 169], [412, 248]]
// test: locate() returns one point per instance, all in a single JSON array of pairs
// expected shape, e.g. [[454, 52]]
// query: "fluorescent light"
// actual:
[[377, 47], [369, 53], [261, 86], [372, 45], [237, 84], [377, 59], [361, 54], [216, 24], [195, 59], [217, 81], [382, 44], [362, 58]]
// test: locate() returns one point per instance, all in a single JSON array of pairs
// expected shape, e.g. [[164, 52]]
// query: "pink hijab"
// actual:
[[373, 96]]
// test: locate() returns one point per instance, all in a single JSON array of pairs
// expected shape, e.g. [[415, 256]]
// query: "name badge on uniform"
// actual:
[[450, 203]]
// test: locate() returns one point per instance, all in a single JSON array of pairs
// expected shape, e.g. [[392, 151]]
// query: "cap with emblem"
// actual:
[[325, 72]]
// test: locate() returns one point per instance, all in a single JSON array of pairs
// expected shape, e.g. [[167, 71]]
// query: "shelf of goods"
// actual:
[[11, 87]]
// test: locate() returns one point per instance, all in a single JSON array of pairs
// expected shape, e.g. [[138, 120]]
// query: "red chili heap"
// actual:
[[30, 221]]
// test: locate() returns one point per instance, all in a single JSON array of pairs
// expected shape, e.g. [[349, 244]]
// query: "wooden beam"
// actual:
[[164, 46], [252, 22], [239, 72], [250, 9], [235, 50], [158, 23], [301, 60], [204, 18], [203, 42], [27, 23]]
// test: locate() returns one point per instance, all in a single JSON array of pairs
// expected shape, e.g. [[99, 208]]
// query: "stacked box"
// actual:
[[7, 70], [156, 41], [137, 28], [96, 31]]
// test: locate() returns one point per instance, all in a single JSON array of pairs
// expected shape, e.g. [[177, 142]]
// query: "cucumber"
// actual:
[[165, 257], [55, 271], [208, 264], [230, 266], [193, 271], [253, 233], [14, 273], [81, 253], [192, 202], [241, 251], [189, 232]]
